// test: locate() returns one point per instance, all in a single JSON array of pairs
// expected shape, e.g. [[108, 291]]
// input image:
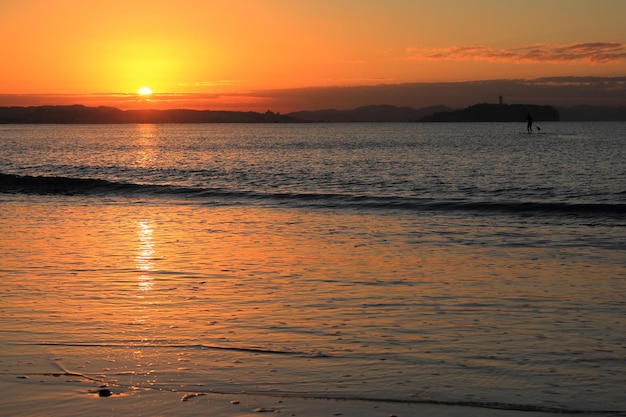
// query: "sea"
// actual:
[[466, 264]]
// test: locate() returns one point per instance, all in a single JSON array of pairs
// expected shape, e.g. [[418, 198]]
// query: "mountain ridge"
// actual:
[[371, 113], [80, 114], [486, 112]]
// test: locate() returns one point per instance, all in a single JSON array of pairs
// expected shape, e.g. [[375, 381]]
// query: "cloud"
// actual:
[[559, 91], [589, 53], [601, 83], [562, 91]]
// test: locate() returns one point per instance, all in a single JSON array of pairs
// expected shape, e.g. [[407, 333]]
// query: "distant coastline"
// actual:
[[496, 113], [485, 112], [79, 114]]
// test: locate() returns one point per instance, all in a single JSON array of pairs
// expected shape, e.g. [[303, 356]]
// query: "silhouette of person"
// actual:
[[529, 126]]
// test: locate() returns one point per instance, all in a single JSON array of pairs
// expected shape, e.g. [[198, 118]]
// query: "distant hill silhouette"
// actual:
[[81, 114], [495, 113], [374, 113]]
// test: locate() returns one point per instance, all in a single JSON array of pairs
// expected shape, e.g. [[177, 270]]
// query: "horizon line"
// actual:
[[554, 90]]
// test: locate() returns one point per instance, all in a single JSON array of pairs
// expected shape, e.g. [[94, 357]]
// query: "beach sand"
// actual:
[[70, 395]]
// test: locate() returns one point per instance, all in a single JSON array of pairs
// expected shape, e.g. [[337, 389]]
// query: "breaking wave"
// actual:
[[66, 186]]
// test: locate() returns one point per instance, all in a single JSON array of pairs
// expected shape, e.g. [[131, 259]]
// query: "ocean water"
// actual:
[[465, 264]]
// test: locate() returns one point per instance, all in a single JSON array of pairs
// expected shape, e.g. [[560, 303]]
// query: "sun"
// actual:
[[144, 91]]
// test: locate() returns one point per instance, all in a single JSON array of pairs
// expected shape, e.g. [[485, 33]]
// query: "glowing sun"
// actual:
[[144, 91]]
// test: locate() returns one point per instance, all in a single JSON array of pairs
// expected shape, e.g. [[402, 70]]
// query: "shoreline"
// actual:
[[70, 395]]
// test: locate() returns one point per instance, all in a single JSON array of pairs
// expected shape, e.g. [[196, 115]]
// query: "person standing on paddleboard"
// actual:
[[529, 126]]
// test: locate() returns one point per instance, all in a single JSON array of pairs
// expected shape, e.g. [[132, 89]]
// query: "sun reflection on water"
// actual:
[[145, 255], [146, 155]]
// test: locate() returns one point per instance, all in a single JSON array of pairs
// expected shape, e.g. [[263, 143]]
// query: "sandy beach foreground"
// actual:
[[68, 395]]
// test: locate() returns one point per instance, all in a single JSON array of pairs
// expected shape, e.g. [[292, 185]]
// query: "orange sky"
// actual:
[[230, 54]]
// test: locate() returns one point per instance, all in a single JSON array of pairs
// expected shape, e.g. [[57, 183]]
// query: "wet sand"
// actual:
[[68, 395]]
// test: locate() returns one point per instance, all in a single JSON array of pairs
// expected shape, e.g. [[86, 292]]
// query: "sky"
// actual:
[[289, 55]]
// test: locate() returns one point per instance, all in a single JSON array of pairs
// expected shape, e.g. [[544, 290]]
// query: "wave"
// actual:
[[66, 186], [26, 184], [473, 404], [143, 345]]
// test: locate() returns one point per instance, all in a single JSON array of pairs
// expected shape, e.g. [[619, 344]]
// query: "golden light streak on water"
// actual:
[[145, 255]]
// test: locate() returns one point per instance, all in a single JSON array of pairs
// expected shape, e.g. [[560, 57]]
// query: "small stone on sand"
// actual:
[[104, 392]]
